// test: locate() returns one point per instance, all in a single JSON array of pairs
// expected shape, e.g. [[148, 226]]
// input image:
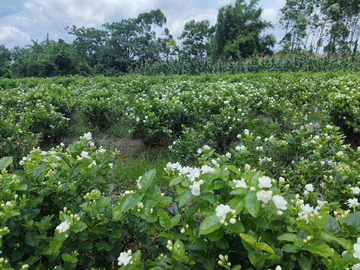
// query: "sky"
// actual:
[[23, 20]]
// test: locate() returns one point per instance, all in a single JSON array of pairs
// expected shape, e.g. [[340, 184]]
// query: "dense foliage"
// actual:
[[273, 183]]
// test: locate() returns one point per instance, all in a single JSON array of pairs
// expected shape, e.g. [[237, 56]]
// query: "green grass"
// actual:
[[128, 168]]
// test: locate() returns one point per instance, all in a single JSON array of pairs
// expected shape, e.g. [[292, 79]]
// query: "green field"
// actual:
[[244, 171]]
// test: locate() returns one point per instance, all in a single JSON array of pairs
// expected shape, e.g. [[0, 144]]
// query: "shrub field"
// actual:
[[261, 172]]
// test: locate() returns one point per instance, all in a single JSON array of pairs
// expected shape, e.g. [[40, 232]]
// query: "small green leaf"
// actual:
[[233, 169], [184, 198], [129, 201], [164, 201], [79, 227], [292, 238], [69, 258], [147, 179], [164, 219], [179, 248], [174, 220], [252, 204], [31, 239], [265, 247], [210, 224], [248, 239], [103, 202], [176, 181], [319, 247], [5, 162]]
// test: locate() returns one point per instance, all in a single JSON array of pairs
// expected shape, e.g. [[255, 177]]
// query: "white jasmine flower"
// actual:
[[111, 165], [199, 151], [228, 155], [264, 182], [308, 188], [356, 266], [206, 169], [87, 136], [264, 196], [222, 210], [195, 188], [62, 227], [356, 253], [232, 220], [206, 147], [279, 202], [353, 202], [124, 258], [355, 190], [306, 209], [84, 154], [246, 131], [240, 183]]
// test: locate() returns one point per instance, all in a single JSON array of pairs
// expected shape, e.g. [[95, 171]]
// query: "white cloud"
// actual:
[[36, 18], [11, 36], [222, 3], [269, 14]]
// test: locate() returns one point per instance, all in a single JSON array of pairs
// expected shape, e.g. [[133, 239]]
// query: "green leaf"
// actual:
[[55, 246], [129, 201], [69, 258], [21, 187], [164, 219], [164, 201], [136, 257], [236, 267], [332, 225], [304, 262], [252, 204], [31, 239], [233, 169], [5, 162], [103, 202], [79, 227], [176, 181], [320, 223], [179, 248], [147, 179], [354, 220], [248, 239], [238, 227], [174, 220], [289, 248], [292, 238], [319, 247], [184, 198], [265, 247], [216, 235], [210, 224]]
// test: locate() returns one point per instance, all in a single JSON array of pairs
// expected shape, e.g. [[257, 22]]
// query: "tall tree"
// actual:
[[90, 44], [238, 31], [5, 60], [197, 38], [329, 25], [134, 40]]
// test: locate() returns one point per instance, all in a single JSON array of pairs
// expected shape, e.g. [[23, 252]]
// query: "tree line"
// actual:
[[316, 26]]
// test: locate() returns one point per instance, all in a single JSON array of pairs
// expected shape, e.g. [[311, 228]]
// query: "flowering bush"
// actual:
[[59, 211]]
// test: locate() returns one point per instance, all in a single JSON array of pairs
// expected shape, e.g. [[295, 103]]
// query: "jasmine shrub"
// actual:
[[59, 212]]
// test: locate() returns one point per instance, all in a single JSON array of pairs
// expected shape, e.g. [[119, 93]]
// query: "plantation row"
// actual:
[[274, 185], [211, 109], [275, 63]]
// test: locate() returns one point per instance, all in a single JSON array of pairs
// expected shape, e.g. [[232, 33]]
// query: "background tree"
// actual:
[[197, 38], [5, 62], [328, 25], [238, 31]]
